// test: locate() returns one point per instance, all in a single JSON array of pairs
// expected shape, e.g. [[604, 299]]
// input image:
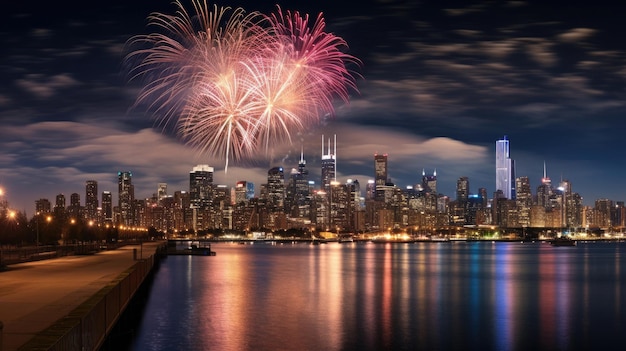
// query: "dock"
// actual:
[[189, 247], [71, 302]]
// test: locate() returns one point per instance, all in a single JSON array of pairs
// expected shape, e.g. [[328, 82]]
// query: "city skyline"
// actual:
[[440, 85], [201, 185]]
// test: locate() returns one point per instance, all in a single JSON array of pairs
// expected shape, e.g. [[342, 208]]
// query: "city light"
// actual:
[[291, 202]]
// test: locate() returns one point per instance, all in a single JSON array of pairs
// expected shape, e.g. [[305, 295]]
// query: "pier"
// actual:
[[201, 247], [71, 302]]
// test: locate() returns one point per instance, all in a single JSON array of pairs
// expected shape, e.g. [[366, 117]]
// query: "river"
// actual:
[[366, 296]]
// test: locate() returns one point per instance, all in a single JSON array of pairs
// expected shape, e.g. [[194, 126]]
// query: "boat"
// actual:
[[562, 241], [316, 241], [345, 239]]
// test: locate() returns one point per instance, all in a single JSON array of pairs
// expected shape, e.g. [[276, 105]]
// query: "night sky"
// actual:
[[441, 82]]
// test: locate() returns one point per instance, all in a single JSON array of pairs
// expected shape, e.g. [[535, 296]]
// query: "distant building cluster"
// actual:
[[290, 199]]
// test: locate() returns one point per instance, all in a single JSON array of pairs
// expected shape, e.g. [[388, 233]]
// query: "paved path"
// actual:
[[34, 295]]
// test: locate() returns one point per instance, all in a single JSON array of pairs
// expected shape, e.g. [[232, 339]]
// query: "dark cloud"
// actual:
[[441, 84]]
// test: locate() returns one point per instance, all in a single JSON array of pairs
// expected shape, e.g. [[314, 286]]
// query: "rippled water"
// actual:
[[365, 296]]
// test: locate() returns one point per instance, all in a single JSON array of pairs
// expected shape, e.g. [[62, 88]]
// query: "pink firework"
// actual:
[[231, 82], [317, 53]]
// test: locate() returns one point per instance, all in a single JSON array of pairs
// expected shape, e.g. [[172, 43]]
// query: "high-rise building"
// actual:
[[42, 206], [59, 206], [370, 190], [244, 191], [544, 191], [602, 213], [566, 200], [161, 191], [201, 193], [482, 192], [74, 210], [462, 190], [505, 169], [523, 200], [297, 198], [340, 206], [60, 201], [429, 182], [201, 186], [329, 164], [302, 181], [356, 205], [276, 188], [380, 168], [126, 198], [380, 176], [107, 206], [91, 200]]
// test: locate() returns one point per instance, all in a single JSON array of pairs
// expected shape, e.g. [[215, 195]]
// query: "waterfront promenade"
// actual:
[[35, 296]]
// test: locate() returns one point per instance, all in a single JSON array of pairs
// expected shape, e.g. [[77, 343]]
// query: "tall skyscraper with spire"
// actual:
[[505, 169], [329, 164], [301, 181], [544, 191], [297, 189]]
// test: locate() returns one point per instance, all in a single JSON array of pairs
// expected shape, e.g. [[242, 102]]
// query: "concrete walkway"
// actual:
[[34, 295]]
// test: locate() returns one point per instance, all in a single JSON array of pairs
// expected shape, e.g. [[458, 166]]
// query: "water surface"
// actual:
[[365, 296]]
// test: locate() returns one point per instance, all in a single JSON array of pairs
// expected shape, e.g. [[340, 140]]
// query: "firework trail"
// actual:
[[232, 83]]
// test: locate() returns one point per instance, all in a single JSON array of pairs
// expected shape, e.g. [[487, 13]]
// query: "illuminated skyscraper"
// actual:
[[370, 190], [298, 192], [380, 176], [201, 186], [107, 206], [74, 210], [59, 207], [91, 200], [244, 191], [161, 191], [302, 181], [276, 188], [60, 202], [380, 167], [126, 197], [462, 190], [329, 164], [544, 191], [523, 200], [505, 169], [429, 182]]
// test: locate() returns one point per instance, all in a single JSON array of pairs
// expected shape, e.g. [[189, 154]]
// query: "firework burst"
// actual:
[[232, 83]]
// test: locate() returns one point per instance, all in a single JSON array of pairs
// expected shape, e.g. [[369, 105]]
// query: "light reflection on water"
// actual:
[[364, 296]]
